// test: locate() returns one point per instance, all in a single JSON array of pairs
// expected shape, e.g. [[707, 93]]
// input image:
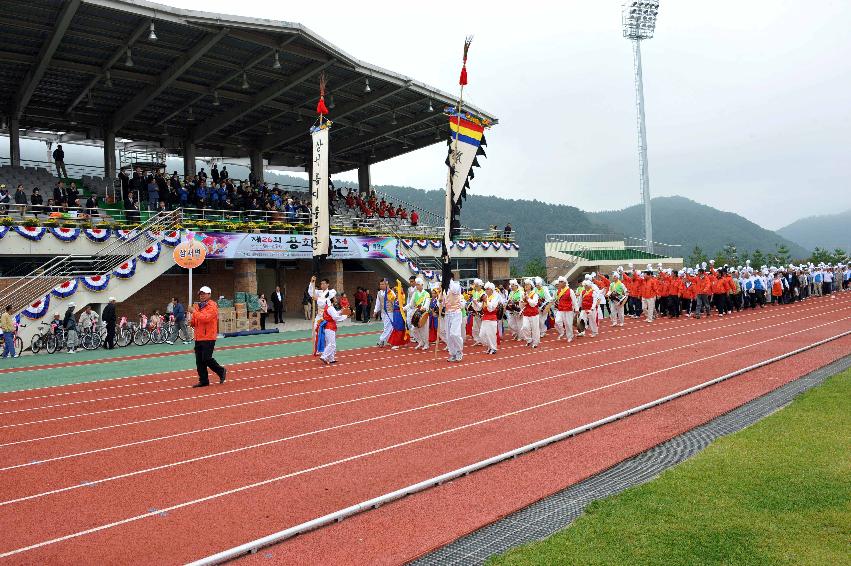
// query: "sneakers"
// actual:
[[171, 342], [199, 384], [223, 376]]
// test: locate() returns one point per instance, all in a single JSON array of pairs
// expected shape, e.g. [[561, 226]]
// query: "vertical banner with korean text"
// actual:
[[319, 190]]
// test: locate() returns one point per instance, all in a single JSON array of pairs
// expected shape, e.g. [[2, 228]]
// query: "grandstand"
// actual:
[[573, 255]]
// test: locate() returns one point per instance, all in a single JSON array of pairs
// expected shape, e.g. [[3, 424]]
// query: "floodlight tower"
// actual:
[[639, 23]]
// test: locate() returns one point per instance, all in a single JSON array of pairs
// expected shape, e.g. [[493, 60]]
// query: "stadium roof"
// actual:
[[89, 66]]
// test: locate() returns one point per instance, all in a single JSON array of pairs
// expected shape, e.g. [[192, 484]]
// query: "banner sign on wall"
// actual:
[[222, 245], [319, 190]]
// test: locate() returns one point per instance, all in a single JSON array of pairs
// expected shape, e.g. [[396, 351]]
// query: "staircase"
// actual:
[[403, 270], [37, 284]]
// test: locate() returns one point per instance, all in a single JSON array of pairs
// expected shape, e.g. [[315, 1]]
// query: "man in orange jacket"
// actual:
[[649, 290], [205, 321]]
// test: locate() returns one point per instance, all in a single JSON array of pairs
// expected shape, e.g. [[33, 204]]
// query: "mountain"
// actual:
[[678, 220], [829, 231], [531, 220]]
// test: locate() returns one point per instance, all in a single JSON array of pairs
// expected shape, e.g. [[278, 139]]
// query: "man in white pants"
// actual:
[[531, 329], [566, 306], [544, 298], [617, 288], [515, 318], [420, 300], [588, 295], [476, 295], [490, 305], [452, 305], [409, 306], [384, 310]]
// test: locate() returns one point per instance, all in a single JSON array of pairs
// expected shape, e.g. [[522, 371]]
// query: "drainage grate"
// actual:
[[557, 511]]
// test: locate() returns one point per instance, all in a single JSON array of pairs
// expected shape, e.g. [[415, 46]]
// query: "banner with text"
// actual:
[[292, 246], [319, 190]]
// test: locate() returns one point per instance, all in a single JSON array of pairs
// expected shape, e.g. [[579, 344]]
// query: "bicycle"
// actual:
[[124, 332], [158, 333], [56, 340], [142, 335], [18, 343], [90, 337], [39, 341]]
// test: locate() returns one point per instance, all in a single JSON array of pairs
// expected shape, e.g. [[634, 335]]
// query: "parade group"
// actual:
[[422, 314]]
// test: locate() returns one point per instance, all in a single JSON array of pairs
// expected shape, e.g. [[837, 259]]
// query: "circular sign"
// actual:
[[189, 254]]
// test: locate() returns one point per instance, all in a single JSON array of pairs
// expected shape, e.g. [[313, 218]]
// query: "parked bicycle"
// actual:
[[124, 332], [39, 341], [142, 335]]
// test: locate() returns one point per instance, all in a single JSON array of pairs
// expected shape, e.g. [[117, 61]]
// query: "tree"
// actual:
[[820, 255], [697, 256], [721, 259], [757, 259], [515, 271], [744, 257], [781, 255], [839, 255], [535, 267], [731, 253]]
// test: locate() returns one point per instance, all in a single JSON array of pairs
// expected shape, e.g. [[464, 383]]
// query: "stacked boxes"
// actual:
[[241, 317], [254, 321], [227, 317]]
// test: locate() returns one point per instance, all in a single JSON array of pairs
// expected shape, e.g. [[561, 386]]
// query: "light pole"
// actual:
[[639, 22]]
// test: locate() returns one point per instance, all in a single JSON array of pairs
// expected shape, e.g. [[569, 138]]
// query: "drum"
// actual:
[[617, 298], [419, 318]]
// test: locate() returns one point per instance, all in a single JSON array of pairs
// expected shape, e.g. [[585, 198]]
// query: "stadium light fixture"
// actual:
[[366, 86], [437, 134], [404, 143], [372, 154], [277, 63], [245, 85], [153, 35], [639, 23], [108, 77], [393, 121], [90, 103], [430, 107], [216, 98], [128, 62]]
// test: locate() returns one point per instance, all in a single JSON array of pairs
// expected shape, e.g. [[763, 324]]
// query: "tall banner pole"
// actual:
[[321, 216]]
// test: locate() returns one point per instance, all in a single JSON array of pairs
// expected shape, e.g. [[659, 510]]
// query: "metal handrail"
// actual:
[[50, 167], [40, 281]]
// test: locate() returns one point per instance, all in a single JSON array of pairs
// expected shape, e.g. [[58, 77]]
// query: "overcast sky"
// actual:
[[747, 101]]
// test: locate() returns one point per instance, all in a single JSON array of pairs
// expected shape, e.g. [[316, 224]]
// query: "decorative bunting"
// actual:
[[486, 245], [124, 234], [34, 233], [151, 253], [98, 235], [400, 256], [66, 234], [3, 231], [436, 244], [515, 245], [462, 245], [422, 243], [96, 282], [408, 243], [37, 309], [428, 274], [171, 238], [127, 269], [413, 267], [66, 289]]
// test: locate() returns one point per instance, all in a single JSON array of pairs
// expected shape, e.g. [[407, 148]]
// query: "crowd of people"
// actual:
[[485, 313], [66, 199]]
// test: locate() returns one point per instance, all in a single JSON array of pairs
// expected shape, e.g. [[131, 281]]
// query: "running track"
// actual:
[[145, 469]]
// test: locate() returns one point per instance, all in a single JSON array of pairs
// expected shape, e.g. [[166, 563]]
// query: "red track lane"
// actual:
[[424, 458], [400, 532], [88, 468], [576, 359]]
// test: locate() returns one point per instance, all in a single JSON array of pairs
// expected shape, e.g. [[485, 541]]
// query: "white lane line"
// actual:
[[414, 409], [428, 371], [354, 457]]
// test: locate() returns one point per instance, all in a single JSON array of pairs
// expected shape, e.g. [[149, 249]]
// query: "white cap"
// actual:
[[205, 289], [593, 274], [56, 313], [620, 269], [513, 282], [631, 266], [561, 279], [419, 281], [587, 282], [539, 281], [528, 282], [434, 285], [616, 275], [478, 281], [112, 299], [587, 277], [649, 267], [72, 304], [454, 287], [703, 265], [490, 285]]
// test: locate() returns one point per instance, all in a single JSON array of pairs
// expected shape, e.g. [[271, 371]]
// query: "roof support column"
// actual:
[[364, 181], [15, 141], [109, 156], [256, 158], [189, 158]]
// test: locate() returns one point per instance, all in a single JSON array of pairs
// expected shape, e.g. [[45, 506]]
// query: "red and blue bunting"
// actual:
[[402, 258], [515, 245], [65, 234], [95, 282], [171, 238], [462, 245], [65, 290], [413, 267], [126, 270], [98, 235], [486, 245], [151, 253], [428, 274], [506, 245], [37, 309], [407, 243], [3, 231], [422, 243], [123, 234], [436, 244], [34, 233], [474, 245]]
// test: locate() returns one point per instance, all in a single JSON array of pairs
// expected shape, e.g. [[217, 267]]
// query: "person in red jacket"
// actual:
[[777, 290], [703, 289], [415, 218], [633, 286], [205, 321], [649, 290]]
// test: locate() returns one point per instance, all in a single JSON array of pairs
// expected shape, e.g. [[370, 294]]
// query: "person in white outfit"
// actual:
[[420, 301], [544, 298], [383, 310], [531, 329], [617, 305], [566, 305], [515, 316], [490, 306], [587, 296], [453, 303], [476, 294], [329, 317]]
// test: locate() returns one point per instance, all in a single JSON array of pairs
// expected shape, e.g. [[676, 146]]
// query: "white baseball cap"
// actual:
[[112, 299], [72, 304], [205, 289]]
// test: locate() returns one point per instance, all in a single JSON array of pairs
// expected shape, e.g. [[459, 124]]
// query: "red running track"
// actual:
[[145, 469]]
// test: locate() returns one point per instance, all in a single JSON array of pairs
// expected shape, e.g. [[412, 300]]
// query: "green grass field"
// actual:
[[778, 492]]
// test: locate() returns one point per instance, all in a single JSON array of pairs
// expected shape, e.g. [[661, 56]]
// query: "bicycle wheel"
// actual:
[[88, 341], [19, 345], [186, 335], [52, 344], [36, 344], [141, 337], [123, 336], [157, 336], [97, 341]]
